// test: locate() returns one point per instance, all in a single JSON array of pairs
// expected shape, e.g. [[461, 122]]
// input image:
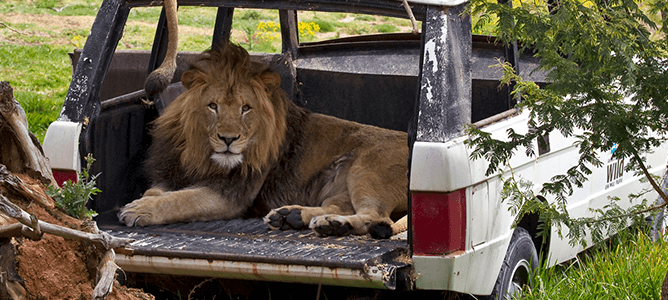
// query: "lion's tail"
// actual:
[[160, 78], [383, 230]]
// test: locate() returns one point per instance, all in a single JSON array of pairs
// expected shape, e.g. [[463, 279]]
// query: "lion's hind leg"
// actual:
[[375, 190]]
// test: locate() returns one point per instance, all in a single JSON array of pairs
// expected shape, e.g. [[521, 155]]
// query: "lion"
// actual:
[[234, 145]]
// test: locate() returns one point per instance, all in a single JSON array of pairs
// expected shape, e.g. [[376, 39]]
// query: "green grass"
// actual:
[[40, 76], [386, 28], [628, 266]]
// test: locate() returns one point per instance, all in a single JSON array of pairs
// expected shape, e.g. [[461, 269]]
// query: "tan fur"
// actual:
[[160, 78], [203, 83], [309, 169]]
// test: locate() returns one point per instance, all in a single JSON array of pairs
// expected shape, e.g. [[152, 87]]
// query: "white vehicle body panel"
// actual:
[[446, 167]]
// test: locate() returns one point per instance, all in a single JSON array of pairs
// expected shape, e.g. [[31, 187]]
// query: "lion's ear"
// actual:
[[271, 80], [190, 77]]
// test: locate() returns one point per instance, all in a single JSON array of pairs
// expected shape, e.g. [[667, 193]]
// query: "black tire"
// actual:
[[520, 261]]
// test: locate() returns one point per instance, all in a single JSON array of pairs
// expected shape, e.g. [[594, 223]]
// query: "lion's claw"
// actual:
[[285, 219], [130, 217], [140, 212]]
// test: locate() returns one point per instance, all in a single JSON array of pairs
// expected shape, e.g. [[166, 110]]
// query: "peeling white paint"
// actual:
[[436, 43], [430, 55], [444, 30], [63, 117], [427, 87]]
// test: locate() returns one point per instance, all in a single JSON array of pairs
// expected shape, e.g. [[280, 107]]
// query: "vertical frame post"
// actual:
[[82, 103], [290, 47], [223, 27], [289, 37], [445, 75]]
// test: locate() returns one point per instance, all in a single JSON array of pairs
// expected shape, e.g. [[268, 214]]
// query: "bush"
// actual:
[[386, 28], [325, 26]]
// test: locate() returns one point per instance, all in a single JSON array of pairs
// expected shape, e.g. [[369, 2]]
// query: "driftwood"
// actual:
[[10, 280], [16, 187], [19, 149], [100, 239], [105, 275], [20, 152], [33, 229]]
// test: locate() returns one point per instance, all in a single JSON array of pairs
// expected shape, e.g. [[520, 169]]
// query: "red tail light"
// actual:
[[438, 222], [63, 175]]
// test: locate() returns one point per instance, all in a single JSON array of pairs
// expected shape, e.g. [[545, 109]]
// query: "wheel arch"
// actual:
[[532, 223]]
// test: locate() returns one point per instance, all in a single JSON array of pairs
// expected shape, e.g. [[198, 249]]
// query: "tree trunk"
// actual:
[[19, 149], [21, 199]]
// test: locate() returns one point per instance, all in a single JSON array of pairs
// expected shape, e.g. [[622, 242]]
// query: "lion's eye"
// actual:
[[245, 108], [213, 106]]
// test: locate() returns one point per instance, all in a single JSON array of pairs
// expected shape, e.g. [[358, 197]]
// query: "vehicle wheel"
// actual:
[[520, 261]]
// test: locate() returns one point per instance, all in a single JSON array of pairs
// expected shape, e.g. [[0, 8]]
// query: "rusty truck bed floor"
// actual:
[[252, 241]]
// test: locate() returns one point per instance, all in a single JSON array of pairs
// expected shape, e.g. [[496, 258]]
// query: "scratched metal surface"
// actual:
[[251, 241]]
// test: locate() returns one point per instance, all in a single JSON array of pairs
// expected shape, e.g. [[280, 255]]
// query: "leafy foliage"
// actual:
[[74, 196], [606, 68]]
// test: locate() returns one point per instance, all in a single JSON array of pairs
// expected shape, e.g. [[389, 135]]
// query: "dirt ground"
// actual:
[[57, 268]]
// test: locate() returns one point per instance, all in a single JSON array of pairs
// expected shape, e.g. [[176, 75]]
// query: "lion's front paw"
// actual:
[[139, 213], [285, 218], [330, 225]]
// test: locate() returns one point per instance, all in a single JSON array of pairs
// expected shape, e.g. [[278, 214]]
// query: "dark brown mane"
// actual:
[[178, 132]]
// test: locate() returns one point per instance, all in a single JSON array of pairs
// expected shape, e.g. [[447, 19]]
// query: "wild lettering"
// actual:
[[615, 172]]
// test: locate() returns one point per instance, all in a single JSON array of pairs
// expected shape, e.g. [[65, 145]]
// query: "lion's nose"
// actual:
[[228, 140]]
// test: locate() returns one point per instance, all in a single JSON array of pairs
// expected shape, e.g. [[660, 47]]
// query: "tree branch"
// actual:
[[656, 187], [10, 28], [100, 239]]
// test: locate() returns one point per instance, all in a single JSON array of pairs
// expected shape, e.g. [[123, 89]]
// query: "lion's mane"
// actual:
[[180, 152]]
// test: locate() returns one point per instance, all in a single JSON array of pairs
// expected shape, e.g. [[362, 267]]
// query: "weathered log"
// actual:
[[10, 281], [100, 239], [13, 120], [106, 275], [16, 186]]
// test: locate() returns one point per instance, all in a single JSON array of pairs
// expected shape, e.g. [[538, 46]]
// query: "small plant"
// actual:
[[251, 15], [74, 196], [307, 30], [46, 3], [268, 31], [77, 41], [365, 18], [386, 28]]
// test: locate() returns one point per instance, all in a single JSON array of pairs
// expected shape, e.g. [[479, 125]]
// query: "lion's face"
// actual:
[[231, 121], [232, 114]]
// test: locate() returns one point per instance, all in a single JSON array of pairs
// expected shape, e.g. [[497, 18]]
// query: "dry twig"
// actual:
[[409, 11], [10, 28]]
